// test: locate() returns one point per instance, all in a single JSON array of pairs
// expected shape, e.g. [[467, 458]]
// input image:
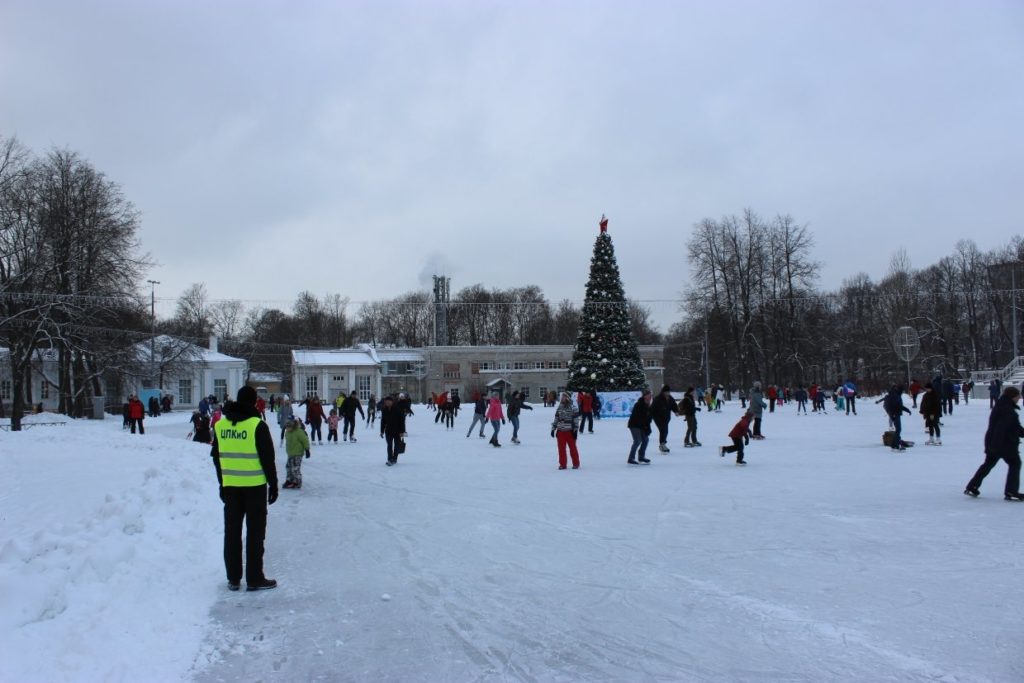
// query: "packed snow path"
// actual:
[[828, 557]]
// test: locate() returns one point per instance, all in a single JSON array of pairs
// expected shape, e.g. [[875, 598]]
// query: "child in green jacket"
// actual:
[[296, 444]]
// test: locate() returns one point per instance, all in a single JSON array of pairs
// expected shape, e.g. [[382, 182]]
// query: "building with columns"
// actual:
[[462, 370]]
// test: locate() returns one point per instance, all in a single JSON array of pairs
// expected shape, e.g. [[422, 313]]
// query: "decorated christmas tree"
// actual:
[[606, 357]]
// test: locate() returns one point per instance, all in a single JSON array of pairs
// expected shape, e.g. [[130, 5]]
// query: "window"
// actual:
[[337, 378], [5, 389], [554, 365], [311, 386], [184, 392], [220, 389], [652, 363], [504, 365], [543, 392], [44, 389], [538, 365], [486, 365], [474, 368], [451, 371], [519, 365], [363, 387]]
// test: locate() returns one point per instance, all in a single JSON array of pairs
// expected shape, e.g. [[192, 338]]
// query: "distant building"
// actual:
[[461, 370], [43, 382], [186, 371]]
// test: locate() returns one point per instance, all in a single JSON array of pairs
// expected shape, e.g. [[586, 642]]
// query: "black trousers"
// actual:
[[691, 430], [349, 426], [736, 447], [248, 503], [757, 426], [932, 424], [897, 429], [662, 425], [1012, 475], [391, 442], [137, 421], [584, 419]]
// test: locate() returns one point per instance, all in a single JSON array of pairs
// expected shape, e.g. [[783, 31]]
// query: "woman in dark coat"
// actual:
[[1002, 442], [640, 429], [662, 408], [392, 427], [931, 409]]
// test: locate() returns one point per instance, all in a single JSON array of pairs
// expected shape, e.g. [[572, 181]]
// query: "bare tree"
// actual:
[[192, 314], [226, 318]]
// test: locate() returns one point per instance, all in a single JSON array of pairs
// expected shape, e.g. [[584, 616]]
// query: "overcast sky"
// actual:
[[359, 147]]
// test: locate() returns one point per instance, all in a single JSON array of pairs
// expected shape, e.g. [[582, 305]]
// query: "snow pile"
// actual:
[[827, 558], [106, 554]]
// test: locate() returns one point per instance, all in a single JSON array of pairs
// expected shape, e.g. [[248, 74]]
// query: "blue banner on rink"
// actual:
[[617, 403]]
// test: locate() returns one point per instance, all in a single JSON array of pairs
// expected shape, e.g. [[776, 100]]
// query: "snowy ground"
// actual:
[[828, 558]]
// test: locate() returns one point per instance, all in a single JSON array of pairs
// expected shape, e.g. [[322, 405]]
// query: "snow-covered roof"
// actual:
[[345, 357], [265, 377], [398, 355], [189, 351], [38, 354]]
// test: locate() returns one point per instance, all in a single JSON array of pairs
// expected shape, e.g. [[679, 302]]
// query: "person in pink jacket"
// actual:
[[495, 415]]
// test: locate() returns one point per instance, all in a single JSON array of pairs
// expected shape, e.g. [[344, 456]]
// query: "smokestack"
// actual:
[[213, 343], [441, 300]]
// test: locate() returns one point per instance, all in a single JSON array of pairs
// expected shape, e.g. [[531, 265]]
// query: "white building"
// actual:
[[187, 372], [463, 370], [43, 385]]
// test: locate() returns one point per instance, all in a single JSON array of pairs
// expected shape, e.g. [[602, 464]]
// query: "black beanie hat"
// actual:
[[246, 396]]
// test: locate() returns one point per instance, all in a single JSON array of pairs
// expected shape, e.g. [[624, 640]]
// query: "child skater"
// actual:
[[296, 444], [332, 426], [740, 435]]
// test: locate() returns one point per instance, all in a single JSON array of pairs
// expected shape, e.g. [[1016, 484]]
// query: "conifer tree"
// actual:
[[606, 357]]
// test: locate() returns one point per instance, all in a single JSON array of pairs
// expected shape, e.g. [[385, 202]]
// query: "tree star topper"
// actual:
[[604, 223]]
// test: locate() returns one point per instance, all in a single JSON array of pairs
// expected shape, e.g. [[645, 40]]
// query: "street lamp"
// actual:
[[1012, 265], [152, 325]]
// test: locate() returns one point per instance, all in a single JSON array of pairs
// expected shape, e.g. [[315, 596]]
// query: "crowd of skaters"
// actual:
[[571, 418]]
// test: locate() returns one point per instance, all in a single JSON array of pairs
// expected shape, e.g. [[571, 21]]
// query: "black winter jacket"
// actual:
[[516, 405], [662, 407], [688, 408], [1004, 429], [392, 420], [930, 404], [641, 417]]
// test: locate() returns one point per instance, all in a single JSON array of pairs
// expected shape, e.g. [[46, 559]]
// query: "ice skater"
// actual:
[[1002, 442], [740, 436]]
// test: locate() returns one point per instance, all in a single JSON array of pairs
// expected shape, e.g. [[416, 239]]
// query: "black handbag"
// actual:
[[400, 446]]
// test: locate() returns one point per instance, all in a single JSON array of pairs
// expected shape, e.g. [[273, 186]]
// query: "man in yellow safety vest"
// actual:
[[243, 454]]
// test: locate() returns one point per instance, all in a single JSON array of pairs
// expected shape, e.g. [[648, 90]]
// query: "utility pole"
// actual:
[[152, 326], [1013, 308], [707, 355]]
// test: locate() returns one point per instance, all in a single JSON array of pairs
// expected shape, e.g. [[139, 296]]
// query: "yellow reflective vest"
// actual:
[[236, 449]]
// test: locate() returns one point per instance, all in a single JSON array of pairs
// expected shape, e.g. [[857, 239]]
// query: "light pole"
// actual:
[[1012, 265], [152, 326], [707, 353]]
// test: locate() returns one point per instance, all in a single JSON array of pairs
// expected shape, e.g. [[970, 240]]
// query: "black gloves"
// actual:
[[746, 441], [502, 420], [272, 495], [552, 432], [222, 495], [307, 452]]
